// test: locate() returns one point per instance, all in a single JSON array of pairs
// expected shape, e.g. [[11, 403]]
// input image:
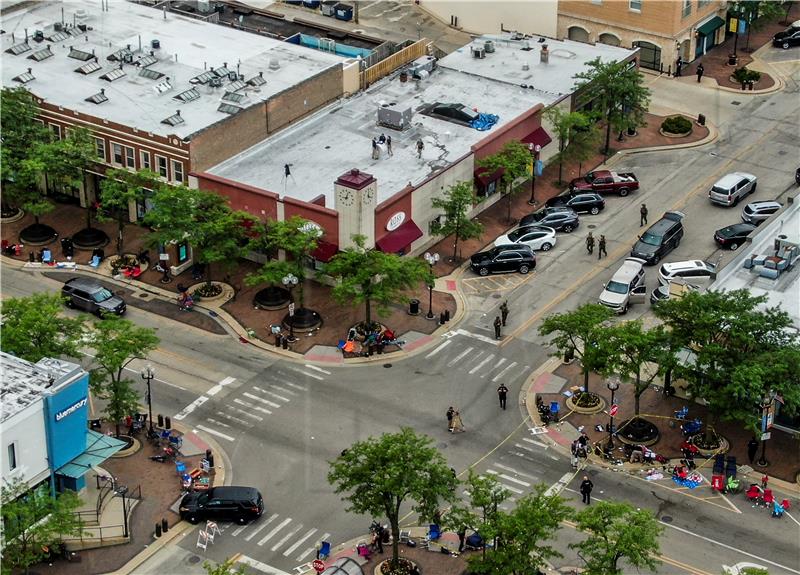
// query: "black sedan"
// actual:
[[731, 237], [788, 38], [580, 203], [560, 219]]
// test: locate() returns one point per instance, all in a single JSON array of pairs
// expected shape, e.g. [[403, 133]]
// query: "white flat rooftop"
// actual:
[[188, 49], [24, 383]]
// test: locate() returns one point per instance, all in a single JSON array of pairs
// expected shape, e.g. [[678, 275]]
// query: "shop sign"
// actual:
[[310, 227], [71, 409], [395, 221]]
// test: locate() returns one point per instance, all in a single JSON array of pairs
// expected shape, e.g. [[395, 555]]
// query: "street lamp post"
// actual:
[[766, 406], [149, 374], [534, 150], [431, 258], [613, 386], [291, 281]]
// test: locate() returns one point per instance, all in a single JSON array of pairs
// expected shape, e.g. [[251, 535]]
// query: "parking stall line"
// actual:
[[272, 533], [286, 538], [299, 542], [260, 527], [261, 399]]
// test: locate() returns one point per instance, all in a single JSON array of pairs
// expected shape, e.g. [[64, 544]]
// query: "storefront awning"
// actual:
[[99, 447], [398, 239], [325, 251], [710, 26], [484, 176], [538, 136]]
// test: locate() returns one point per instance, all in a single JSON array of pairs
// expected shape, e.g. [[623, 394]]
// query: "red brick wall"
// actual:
[[516, 129], [327, 218], [400, 202], [242, 197]]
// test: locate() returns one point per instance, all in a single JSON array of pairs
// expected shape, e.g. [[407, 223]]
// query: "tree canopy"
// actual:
[[379, 474], [118, 190], [512, 160], [576, 133], [480, 513], [456, 203], [34, 327]]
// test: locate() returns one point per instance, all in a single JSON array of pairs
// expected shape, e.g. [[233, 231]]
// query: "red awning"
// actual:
[[538, 136], [325, 251], [484, 176], [400, 238]]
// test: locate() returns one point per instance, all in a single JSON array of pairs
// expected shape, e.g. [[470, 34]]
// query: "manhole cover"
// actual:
[[592, 226], [666, 518], [736, 103], [194, 559], [387, 365], [782, 152], [497, 295], [443, 445], [143, 295]]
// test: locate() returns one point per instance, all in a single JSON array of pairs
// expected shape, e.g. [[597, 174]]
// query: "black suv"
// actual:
[[90, 295], [560, 219], [509, 258], [660, 238], [579, 202], [226, 503], [789, 37]]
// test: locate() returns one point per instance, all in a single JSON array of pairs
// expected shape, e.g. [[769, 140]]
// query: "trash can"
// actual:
[[701, 119], [344, 12], [413, 307]]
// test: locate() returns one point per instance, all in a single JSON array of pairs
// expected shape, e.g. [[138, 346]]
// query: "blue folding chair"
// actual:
[[324, 550], [554, 410], [95, 262], [434, 532], [682, 412]]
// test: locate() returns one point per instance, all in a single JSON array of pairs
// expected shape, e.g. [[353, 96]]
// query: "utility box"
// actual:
[[395, 118]]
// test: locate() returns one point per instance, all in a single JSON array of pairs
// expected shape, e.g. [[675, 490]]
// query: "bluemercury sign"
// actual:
[[71, 409]]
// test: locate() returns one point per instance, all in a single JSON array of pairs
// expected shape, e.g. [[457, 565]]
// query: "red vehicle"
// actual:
[[605, 181]]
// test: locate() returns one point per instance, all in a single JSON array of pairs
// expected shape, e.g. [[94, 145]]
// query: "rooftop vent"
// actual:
[[42, 54], [257, 80], [87, 69], [188, 96], [98, 98], [80, 54], [150, 74], [162, 87], [155, 44], [274, 64], [229, 108], [478, 51], [215, 82], [544, 55], [113, 75], [489, 46], [18, 49], [174, 120], [24, 78], [81, 14], [203, 78], [394, 118]]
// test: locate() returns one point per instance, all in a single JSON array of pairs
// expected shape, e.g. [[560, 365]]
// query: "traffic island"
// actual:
[[38, 235]]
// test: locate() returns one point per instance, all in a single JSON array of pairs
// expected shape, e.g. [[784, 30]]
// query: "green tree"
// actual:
[[742, 351], [580, 332], [117, 342], [617, 531], [620, 94], [224, 568], [33, 328], [33, 521], [757, 14], [118, 191], [523, 534], [576, 134], [485, 496], [369, 275], [512, 160], [456, 203], [379, 474]]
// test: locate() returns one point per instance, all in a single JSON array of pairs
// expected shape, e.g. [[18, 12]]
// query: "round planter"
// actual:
[[134, 445], [38, 235], [9, 217], [671, 135], [224, 294], [406, 565], [271, 298], [89, 239], [106, 263], [724, 446], [638, 431], [304, 319], [572, 405]]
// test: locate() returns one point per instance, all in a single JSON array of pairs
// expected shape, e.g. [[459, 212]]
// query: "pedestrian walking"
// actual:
[[601, 247], [752, 449], [458, 425], [504, 311], [389, 146], [678, 66], [375, 151], [642, 215], [586, 489], [502, 391], [420, 147], [497, 324], [700, 71], [590, 243], [574, 454], [450, 412], [583, 440], [764, 481]]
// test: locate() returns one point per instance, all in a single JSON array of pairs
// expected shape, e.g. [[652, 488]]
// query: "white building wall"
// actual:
[[26, 430], [487, 16]]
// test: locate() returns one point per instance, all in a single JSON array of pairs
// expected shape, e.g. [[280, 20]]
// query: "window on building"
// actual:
[[177, 171], [597, 1], [162, 166], [123, 156], [56, 129], [687, 8], [130, 161], [12, 456], [100, 148], [635, 5], [702, 3], [117, 157], [145, 157]]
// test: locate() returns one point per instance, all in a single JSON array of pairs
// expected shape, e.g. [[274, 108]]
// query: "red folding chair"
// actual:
[[768, 498], [754, 494]]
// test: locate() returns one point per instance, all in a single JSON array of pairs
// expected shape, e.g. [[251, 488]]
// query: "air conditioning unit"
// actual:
[[489, 46], [426, 63], [478, 52], [394, 118]]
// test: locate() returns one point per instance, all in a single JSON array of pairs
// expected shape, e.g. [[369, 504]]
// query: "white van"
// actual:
[[626, 286]]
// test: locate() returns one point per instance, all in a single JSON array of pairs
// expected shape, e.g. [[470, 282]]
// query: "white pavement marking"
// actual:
[[215, 422], [531, 449], [315, 368], [534, 442], [310, 549], [459, 357], [275, 395], [257, 408], [560, 484], [299, 542], [232, 418], [315, 376], [509, 478], [272, 533], [294, 385], [214, 432], [260, 527], [243, 412], [286, 538], [279, 388], [509, 366], [240, 529], [478, 336], [217, 388], [255, 564], [500, 362], [509, 487], [190, 408], [262, 400], [481, 364], [512, 470], [439, 348], [792, 517]]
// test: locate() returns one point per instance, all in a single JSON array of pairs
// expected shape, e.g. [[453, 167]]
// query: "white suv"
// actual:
[[693, 271], [731, 188], [626, 286]]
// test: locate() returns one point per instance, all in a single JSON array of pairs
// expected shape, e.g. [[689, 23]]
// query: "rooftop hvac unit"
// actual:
[[215, 82], [425, 63], [274, 64], [478, 52], [204, 6], [489, 46], [394, 118], [81, 14], [155, 44]]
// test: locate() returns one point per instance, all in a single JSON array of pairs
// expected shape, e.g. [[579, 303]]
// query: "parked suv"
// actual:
[[789, 37], [626, 286], [579, 202], [509, 258], [691, 271], [560, 219], [660, 238], [89, 295], [757, 212], [731, 188], [224, 503]]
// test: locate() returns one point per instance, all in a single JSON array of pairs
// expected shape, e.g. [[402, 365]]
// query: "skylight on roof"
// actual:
[[114, 74], [150, 74], [257, 80], [98, 98], [202, 78], [18, 49], [80, 54], [233, 97], [40, 55], [236, 86], [58, 36], [147, 61], [228, 108], [220, 72], [162, 87], [174, 120], [188, 96], [24, 78], [87, 69], [121, 55]]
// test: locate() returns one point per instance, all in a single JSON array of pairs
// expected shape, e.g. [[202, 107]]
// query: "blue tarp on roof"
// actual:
[[484, 122]]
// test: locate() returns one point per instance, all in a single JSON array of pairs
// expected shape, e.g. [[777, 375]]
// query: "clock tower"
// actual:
[[355, 198]]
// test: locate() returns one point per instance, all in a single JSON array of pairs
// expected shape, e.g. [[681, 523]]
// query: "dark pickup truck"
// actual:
[[605, 181]]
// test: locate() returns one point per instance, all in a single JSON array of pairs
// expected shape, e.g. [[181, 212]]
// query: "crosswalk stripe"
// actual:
[[255, 564], [481, 364], [257, 408], [500, 362], [260, 527], [310, 549], [232, 418], [240, 529], [531, 449], [514, 479], [272, 533], [243, 412], [521, 373], [509, 366], [294, 385], [286, 538], [261, 399], [215, 422], [533, 441], [299, 542], [459, 357], [512, 489], [214, 432], [315, 368], [278, 387], [296, 370], [512, 470], [439, 348], [272, 394]]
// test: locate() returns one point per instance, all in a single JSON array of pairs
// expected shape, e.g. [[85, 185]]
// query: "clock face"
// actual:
[[346, 197], [369, 195]]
